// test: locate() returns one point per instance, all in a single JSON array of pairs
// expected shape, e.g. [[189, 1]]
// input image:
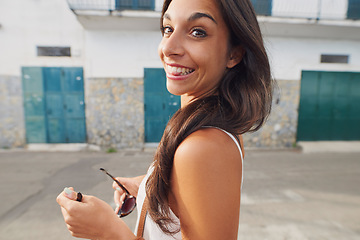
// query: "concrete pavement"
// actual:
[[330, 146], [286, 195]]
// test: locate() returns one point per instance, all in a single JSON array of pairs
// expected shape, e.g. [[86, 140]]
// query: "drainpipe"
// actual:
[[318, 10]]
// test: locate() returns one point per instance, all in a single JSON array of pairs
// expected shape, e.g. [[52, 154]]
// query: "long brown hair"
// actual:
[[242, 104]]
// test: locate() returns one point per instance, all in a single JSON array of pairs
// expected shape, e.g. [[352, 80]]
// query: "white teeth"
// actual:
[[179, 71]]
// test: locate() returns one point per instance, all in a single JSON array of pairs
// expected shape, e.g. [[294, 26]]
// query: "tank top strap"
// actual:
[[233, 137], [237, 142]]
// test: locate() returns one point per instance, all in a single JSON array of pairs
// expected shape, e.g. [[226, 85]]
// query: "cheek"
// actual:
[[214, 57], [160, 47], [217, 61]]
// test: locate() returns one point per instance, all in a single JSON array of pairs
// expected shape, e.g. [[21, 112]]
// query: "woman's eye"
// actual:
[[198, 33], [167, 30]]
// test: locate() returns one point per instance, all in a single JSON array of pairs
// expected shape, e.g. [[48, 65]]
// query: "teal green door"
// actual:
[[160, 105], [54, 105], [34, 105], [329, 106]]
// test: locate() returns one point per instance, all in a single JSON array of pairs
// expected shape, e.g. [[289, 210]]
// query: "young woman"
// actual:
[[214, 58]]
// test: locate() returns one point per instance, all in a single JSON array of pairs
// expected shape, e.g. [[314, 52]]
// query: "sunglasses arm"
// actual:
[[115, 180], [120, 185]]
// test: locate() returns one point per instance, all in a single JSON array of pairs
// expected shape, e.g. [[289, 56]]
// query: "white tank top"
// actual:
[[151, 230]]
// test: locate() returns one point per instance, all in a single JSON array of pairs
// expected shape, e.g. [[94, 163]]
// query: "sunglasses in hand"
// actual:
[[129, 202]]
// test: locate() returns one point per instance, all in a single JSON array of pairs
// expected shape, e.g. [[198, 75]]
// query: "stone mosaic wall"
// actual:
[[12, 126], [115, 112], [280, 129], [115, 115]]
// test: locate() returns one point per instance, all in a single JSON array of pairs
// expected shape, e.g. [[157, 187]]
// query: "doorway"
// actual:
[[54, 104], [159, 104], [329, 107]]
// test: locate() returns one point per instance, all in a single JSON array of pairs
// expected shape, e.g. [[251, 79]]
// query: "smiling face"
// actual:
[[195, 48]]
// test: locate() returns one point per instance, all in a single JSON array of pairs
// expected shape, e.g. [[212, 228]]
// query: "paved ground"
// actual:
[[287, 194]]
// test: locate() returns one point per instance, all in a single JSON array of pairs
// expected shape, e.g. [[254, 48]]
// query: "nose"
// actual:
[[172, 45]]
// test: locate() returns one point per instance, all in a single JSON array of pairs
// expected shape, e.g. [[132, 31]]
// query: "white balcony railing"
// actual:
[[111, 5], [309, 9]]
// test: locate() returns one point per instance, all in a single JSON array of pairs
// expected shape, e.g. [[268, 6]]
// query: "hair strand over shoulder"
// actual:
[[242, 104]]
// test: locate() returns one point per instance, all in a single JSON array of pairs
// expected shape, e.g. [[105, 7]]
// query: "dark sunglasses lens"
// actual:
[[128, 206]]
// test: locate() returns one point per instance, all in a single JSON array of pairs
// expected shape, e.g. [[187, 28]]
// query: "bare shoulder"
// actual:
[[207, 163], [205, 145], [208, 153]]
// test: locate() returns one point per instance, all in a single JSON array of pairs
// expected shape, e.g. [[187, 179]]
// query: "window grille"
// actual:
[[331, 58], [54, 51]]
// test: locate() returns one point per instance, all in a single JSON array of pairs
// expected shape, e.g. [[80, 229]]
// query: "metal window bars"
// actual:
[[111, 5], [308, 9]]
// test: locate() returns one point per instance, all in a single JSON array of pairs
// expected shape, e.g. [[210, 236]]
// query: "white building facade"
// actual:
[[88, 71]]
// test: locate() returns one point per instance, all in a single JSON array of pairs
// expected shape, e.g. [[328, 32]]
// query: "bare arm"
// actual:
[[206, 185]]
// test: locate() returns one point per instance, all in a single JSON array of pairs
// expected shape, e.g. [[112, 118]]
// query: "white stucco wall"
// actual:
[[114, 53], [289, 56], [130, 52], [325, 9], [158, 5], [121, 54], [30, 23]]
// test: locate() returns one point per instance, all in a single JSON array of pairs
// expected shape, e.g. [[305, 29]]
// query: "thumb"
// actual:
[[70, 193]]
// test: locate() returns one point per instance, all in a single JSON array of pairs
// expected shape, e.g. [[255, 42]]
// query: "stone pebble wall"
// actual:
[[115, 115], [12, 126], [280, 129], [115, 112]]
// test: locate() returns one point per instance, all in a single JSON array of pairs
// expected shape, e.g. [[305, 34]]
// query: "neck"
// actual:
[[185, 100]]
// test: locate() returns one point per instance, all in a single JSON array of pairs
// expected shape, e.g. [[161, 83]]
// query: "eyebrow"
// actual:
[[194, 16], [198, 15]]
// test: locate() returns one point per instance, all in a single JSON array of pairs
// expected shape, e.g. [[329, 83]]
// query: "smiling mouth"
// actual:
[[178, 71]]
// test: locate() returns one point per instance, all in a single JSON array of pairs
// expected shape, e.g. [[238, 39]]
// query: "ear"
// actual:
[[236, 56]]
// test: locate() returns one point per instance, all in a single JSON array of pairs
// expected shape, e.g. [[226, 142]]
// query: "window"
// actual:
[[262, 7], [330, 58], [54, 51], [135, 4]]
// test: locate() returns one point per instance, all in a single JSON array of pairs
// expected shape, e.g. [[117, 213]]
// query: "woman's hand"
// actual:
[[131, 184], [91, 218]]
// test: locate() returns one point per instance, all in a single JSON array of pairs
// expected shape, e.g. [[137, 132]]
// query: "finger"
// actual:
[[115, 185], [117, 209], [70, 204], [119, 201], [117, 196], [70, 193], [65, 202], [68, 219], [122, 198], [64, 213], [62, 200], [77, 231]]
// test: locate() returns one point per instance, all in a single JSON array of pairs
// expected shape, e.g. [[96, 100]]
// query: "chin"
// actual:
[[174, 92], [174, 89]]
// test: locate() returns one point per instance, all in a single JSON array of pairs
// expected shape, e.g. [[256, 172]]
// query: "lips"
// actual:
[[178, 70]]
